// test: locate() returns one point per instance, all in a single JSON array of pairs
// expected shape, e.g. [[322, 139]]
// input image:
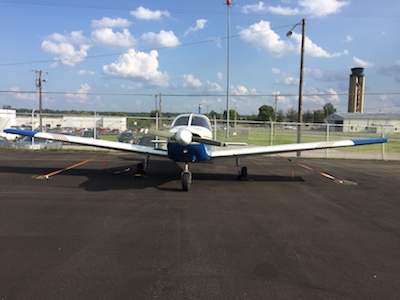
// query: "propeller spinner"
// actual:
[[183, 137]]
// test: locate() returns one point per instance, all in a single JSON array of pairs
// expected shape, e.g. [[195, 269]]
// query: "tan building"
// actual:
[[356, 91], [373, 123], [62, 122]]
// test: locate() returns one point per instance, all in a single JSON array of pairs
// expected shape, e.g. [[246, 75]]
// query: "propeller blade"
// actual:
[[165, 134], [208, 142]]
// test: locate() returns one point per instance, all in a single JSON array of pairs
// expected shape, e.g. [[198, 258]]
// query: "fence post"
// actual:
[[327, 138], [383, 144], [271, 139]]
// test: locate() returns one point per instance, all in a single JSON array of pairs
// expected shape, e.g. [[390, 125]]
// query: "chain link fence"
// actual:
[[251, 132]]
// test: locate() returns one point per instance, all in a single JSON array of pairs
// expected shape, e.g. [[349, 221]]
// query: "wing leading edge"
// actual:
[[295, 147], [90, 142]]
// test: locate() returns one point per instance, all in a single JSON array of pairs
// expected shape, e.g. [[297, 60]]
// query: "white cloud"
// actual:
[[276, 71], [312, 49], [85, 72], [147, 14], [111, 23], [315, 8], [138, 66], [333, 96], [212, 87], [262, 36], [80, 96], [23, 96], [348, 38], [318, 96], [220, 76], [189, 81], [362, 63], [68, 49], [200, 24], [240, 90], [291, 81], [161, 39], [254, 8], [109, 38]]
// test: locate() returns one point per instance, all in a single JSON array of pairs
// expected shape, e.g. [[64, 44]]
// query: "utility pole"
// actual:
[[276, 94], [300, 113], [228, 5], [160, 115], [39, 81]]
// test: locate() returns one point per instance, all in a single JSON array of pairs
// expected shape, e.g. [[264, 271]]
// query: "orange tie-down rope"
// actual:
[[326, 175], [48, 175]]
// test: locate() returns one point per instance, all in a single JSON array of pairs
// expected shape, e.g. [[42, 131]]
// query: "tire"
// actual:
[[140, 169], [186, 181], [243, 173]]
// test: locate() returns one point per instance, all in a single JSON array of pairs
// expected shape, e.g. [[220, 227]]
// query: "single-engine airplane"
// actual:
[[190, 140]]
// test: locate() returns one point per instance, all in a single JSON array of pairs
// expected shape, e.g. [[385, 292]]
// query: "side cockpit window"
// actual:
[[182, 121]]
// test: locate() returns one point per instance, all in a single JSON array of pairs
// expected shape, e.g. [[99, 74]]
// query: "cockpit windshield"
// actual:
[[195, 120], [182, 121], [200, 121]]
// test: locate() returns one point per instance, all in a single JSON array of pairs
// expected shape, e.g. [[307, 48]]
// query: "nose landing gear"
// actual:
[[186, 178]]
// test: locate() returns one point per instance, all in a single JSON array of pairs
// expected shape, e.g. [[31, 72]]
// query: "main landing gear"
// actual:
[[142, 167], [242, 171]]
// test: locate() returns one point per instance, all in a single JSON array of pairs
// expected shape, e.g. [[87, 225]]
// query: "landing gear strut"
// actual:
[[186, 178]]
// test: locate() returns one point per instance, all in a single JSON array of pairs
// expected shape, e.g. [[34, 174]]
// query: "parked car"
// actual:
[[127, 137], [90, 134], [146, 140], [4, 142], [28, 142]]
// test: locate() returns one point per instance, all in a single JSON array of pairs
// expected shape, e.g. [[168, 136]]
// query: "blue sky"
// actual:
[[116, 55]]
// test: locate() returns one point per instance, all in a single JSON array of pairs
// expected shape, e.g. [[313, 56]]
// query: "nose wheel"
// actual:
[[186, 178]]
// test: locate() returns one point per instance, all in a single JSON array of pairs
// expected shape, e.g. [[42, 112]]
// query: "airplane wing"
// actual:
[[294, 147], [90, 142]]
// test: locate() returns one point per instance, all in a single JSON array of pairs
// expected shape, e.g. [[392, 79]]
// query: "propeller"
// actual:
[[184, 137]]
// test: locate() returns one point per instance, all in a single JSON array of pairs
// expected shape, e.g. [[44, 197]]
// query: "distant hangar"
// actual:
[[371, 123]]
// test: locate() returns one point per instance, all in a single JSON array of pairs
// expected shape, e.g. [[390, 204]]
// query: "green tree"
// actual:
[[266, 113], [154, 113], [291, 115], [231, 114], [308, 116], [319, 116], [329, 109], [213, 114], [280, 116]]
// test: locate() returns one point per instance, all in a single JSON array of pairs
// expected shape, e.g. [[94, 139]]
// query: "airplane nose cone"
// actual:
[[183, 137]]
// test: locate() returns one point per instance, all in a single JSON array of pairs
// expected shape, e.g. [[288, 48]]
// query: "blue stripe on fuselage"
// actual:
[[190, 153]]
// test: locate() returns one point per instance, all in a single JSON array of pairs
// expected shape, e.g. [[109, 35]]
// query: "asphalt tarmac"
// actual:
[[306, 229]]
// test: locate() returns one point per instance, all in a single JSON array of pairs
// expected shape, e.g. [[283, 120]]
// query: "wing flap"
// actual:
[[295, 147]]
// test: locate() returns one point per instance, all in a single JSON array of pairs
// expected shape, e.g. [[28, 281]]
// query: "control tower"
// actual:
[[356, 91]]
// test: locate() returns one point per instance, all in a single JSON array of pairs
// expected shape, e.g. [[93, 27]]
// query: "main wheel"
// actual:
[[140, 170], [243, 173], [186, 181]]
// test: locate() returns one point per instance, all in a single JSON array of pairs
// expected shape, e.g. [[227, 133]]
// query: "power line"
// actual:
[[190, 95], [183, 11]]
